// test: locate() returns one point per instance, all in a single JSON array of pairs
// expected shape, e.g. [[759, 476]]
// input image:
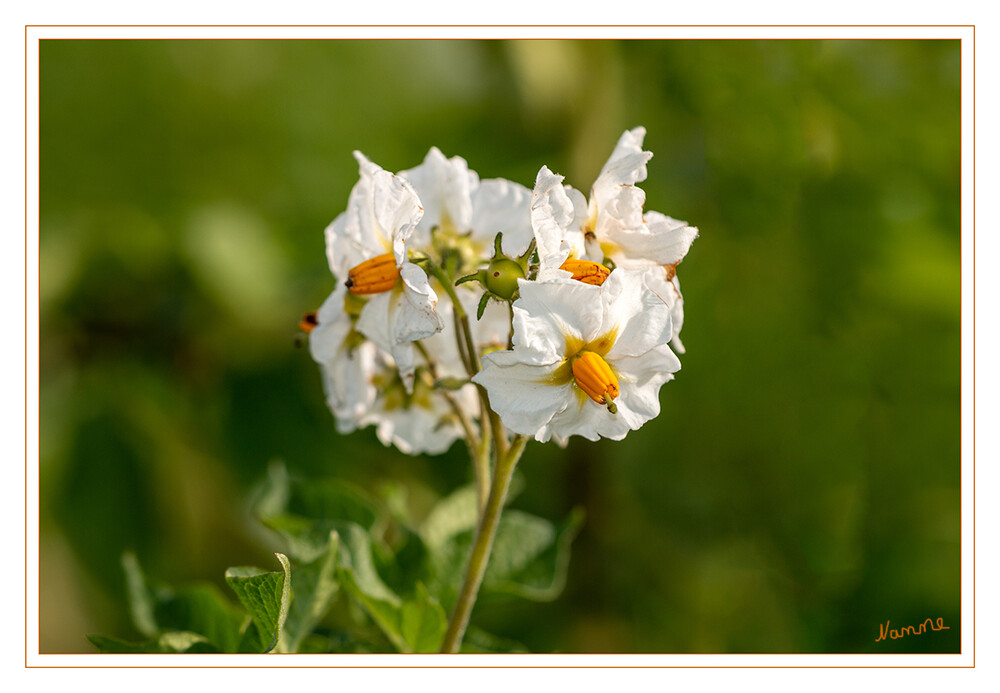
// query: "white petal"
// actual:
[[640, 379], [373, 322], [405, 357], [415, 317], [586, 418], [662, 240], [554, 219], [619, 207], [499, 205], [669, 291], [386, 209], [393, 319], [346, 372], [416, 430], [627, 163], [625, 167], [521, 394], [640, 319], [547, 313], [445, 187]]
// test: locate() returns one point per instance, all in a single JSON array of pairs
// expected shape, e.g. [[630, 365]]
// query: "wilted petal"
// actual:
[[625, 167], [555, 220]]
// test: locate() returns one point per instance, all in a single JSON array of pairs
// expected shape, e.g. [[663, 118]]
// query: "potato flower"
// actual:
[[587, 360], [366, 245], [584, 238]]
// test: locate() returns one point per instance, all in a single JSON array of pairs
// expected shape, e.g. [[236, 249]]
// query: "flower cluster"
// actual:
[[460, 300]]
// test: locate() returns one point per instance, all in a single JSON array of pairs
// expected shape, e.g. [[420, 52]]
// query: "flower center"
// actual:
[[593, 375], [373, 276], [592, 273]]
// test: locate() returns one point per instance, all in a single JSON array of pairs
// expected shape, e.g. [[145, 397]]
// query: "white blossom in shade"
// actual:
[[465, 212], [382, 213], [346, 360], [420, 420], [539, 388], [611, 225]]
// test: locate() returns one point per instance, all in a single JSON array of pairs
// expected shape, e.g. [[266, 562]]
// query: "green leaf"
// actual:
[[183, 641], [140, 598], [530, 556], [266, 596], [335, 500], [306, 540], [271, 498], [314, 586], [423, 622], [202, 609], [452, 515], [329, 499], [481, 642], [107, 645], [169, 642], [361, 580]]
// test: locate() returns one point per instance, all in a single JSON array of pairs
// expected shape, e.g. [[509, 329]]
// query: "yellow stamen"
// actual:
[[592, 273], [308, 322], [593, 375], [671, 271], [373, 276]]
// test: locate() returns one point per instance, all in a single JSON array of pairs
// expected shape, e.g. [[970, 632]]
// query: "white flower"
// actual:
[[587, 360], [421, 419], [346, 360], [466, 213], [363, 385], [575, 236], [367, 246]]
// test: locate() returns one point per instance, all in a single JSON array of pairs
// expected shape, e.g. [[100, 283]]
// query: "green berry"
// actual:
[[501, 277]]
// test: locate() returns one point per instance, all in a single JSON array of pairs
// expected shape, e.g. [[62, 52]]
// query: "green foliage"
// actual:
[[338, 547], [802, 482], [266, 597]]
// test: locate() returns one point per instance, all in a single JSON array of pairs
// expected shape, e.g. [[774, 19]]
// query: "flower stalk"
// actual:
[[483, 545]]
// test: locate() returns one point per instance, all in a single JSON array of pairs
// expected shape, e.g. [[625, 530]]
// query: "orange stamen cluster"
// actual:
[[593, 375], [592, 273], [373, 276]]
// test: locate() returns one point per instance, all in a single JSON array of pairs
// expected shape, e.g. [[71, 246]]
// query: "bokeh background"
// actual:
[[801, 485]]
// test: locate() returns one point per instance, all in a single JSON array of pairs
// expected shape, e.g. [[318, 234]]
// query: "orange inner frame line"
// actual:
[[373, 276]]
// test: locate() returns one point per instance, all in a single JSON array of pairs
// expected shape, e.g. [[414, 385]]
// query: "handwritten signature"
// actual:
[[895, 633]]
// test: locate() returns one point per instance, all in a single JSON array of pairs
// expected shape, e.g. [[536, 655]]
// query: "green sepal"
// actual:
[[482, 305]]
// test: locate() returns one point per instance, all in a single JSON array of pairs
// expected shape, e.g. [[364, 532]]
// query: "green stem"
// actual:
[[470, 358], [483, 545]]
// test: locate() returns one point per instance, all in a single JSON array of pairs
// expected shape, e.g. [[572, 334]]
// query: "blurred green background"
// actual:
[[801, 485]]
